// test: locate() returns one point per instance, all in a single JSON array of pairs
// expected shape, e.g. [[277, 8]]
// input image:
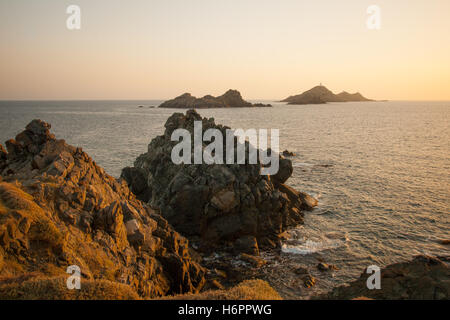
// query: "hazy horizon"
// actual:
[[264, 49]]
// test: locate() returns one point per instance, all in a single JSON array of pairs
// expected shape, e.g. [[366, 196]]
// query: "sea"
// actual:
[[380, 170]]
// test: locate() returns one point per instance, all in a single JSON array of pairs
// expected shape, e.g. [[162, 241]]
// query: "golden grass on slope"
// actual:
[[56, 289], [42, 228], [246, 290], [14, 197]]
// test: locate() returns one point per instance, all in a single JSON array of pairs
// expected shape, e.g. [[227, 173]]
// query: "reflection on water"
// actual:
[[381, 170]]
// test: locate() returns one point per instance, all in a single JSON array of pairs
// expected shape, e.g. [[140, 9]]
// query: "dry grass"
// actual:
[[246, 290], [42, 288], [13, 202], [13, 197]]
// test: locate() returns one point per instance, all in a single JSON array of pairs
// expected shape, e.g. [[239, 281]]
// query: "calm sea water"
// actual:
[[381, 170]]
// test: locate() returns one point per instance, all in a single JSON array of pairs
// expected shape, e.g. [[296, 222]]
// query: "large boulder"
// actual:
[[59, 208], [229, 206], [423, 278]]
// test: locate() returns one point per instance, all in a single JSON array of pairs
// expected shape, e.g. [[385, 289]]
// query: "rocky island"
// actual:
[[320, 95], [230, 99]]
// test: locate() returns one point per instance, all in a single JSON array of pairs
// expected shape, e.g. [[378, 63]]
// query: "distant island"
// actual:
[[320, 94], [230, 99]]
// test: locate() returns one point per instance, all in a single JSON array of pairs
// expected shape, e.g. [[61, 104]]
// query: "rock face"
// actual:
[[423, 278], [58, 208], [226, 206], [320, 95], [230, 99]]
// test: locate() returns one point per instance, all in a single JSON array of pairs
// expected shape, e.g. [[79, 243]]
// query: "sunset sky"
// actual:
[[159, 49]]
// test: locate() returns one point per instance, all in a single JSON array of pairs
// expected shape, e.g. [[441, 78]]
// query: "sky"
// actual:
[[159, 49]]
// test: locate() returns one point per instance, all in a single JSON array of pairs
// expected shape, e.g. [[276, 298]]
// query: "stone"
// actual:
[[3, 153], [132, 226], [224, 200], [301, 271], [284, 172], [287, 153], [3, 158], [136, 178], [326, 267], [247, 244], [63, 163], [308, 281], [14, 148], [255, 261]]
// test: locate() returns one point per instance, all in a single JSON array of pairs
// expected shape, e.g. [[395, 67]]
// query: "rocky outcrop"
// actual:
[[59, 208], [218, 205], [320, 95], [230, 99], [423, 278]]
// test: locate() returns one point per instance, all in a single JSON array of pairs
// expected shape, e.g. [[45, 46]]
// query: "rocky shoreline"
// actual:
[[162, 229]]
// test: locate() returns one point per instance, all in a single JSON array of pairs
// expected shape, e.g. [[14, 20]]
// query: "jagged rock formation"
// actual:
[[423, 278], [320, 94], [59, 208], [230, 99], [226, 206]]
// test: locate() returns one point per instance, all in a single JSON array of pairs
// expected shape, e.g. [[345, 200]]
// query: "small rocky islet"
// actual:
[[321, 95], [230, 99], [161, 229]]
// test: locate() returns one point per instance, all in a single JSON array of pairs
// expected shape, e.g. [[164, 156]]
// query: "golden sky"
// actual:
[[158, 49]]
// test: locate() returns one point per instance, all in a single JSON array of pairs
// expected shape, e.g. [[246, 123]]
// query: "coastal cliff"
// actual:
[[230, 99], [59, 208]]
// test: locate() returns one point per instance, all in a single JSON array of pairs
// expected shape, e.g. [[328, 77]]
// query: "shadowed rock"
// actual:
[[423, 278], [222, 206]]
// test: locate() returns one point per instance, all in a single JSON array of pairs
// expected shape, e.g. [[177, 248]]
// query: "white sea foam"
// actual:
[[309, 246]]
